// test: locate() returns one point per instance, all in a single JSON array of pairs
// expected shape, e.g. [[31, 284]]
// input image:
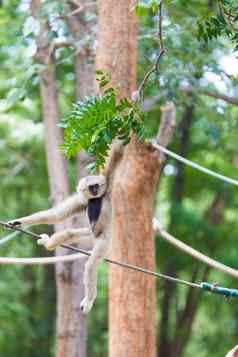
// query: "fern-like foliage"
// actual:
[[93, 123], [225, 23]]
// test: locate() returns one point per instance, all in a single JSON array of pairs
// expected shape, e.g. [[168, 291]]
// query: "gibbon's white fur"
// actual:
[[92, 194]]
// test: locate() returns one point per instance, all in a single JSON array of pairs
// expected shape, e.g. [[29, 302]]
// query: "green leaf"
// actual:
[[103, 83], [16, 95], [99, 72], [154, 6], [94, 123], [142, 10]]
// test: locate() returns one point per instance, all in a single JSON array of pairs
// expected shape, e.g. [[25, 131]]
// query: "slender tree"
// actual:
[[71, 331]]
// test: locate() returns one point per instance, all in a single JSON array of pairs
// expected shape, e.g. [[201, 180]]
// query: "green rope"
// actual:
[[215, 289]]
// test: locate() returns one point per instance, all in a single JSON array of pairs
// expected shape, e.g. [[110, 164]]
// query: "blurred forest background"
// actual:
[[199, 72]]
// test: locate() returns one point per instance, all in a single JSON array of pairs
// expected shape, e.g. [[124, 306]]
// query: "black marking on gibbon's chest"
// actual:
[[94, 209]]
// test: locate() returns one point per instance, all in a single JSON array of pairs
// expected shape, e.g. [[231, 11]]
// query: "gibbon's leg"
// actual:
[[90, 274], [80, 235], [56, 214]]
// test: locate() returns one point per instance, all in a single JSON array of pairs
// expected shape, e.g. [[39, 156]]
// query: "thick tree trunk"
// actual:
[[117, 43], [71, 333], [132, 304], [132, 295]]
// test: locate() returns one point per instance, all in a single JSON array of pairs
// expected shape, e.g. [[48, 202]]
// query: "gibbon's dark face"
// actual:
[[93, 189], [93, 186]]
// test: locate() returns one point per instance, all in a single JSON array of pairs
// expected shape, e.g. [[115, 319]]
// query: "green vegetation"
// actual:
[[198, 209], [95, 122]]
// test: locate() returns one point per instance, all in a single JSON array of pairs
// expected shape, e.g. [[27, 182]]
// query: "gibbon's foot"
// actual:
[[45, 241], [14, 223], [86, 305]]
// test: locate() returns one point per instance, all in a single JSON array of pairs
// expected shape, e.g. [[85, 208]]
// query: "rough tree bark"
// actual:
[[132, 306], [70, 337]]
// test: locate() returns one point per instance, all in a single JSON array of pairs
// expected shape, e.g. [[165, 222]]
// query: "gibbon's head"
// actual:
[[93, 186]]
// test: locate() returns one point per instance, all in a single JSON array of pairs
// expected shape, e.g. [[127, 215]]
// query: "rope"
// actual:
[[193, 252], [9, 237], [219, 290], [213, 288], [193, 164], [35, 260], [39, 261], [4, 260]]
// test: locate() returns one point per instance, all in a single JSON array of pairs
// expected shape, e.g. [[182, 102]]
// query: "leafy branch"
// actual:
[[93, 123], [223, 23]]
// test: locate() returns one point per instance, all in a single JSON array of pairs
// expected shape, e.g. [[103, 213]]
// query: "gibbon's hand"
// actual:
[[45, 240], [14, 223]]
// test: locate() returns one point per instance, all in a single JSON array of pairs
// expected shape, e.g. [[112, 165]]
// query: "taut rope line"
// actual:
[[213, 288]]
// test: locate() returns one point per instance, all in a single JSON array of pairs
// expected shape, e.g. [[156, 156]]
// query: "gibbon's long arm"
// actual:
[[83, 236], [115, 155], [56, 214]]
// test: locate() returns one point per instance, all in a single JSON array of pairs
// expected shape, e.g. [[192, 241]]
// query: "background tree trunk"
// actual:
[[84, 66], [67, 278], [174, 344], [83, 87], [71, 333], [165, 340], [71, 323]]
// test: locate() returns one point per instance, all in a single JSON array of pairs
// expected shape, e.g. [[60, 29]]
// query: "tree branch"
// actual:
[[215, 94], [81, 7], [154, 68], [60, 44], [193, 252], [167, 123]]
